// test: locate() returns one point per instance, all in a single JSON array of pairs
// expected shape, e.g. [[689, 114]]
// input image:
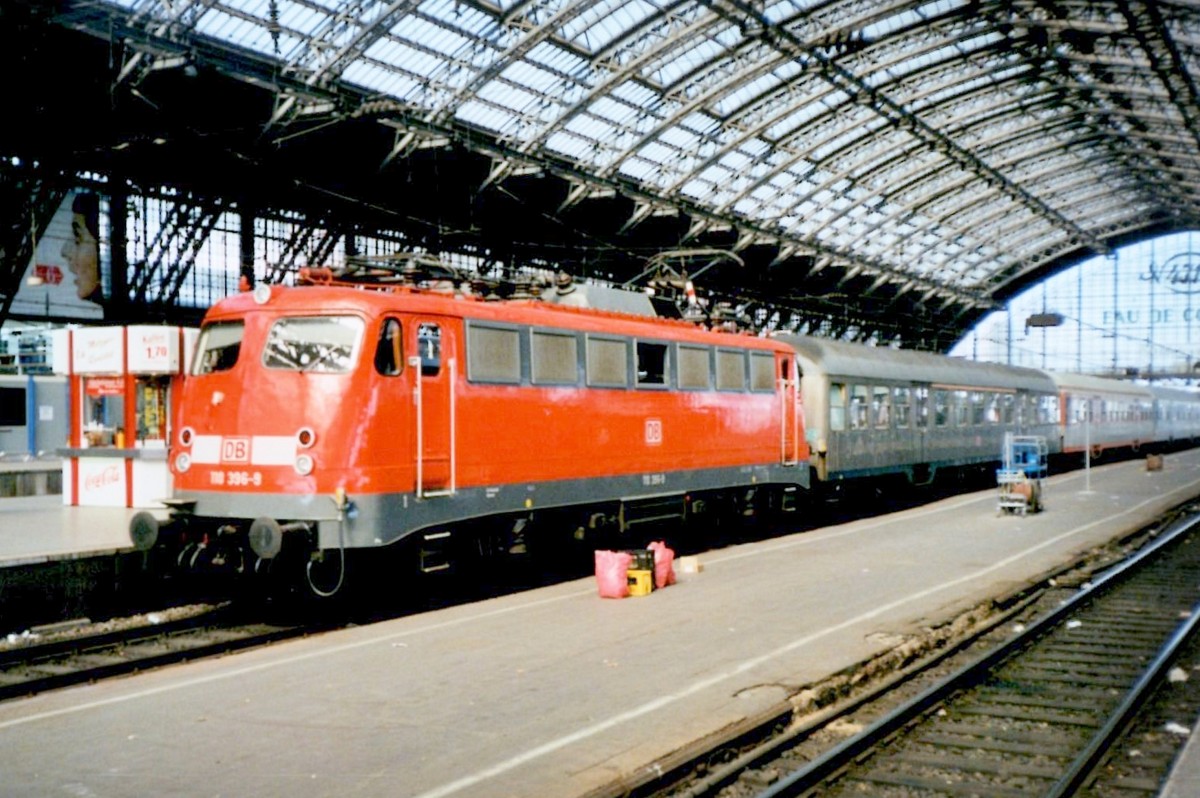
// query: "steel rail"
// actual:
[[64, 663], [825, 766]]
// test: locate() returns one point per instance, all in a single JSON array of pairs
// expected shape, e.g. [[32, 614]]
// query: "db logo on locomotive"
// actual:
[[235, 450]]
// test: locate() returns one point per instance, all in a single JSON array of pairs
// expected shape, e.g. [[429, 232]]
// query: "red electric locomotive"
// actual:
[[330, 418]]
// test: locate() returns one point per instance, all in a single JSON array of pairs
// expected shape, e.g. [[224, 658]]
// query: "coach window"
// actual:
[[881, 408], [555, 358], [493, 353], [429, 345], [694, 367], [902, 403], [1048, 410], [941, 408], [651, 364], [978, 407], [762, 371], [962, 405], [837, 406], [1007, 402], [921, 395], [389, 359], [731, 370], [859, 407], [607, 363]]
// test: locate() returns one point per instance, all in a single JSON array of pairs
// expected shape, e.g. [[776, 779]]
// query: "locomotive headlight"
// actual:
[[304, 465], [183, 461], [186, 436], [262, 293]]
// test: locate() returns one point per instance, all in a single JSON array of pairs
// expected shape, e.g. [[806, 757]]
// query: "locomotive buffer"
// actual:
[[1021, 473]]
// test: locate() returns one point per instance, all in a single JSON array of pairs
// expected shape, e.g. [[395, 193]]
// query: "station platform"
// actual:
[[30, 476], [39, 529], [1184, 781], [556, 691]]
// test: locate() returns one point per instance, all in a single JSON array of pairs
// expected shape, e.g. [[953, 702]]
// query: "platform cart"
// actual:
[[1020, 476]]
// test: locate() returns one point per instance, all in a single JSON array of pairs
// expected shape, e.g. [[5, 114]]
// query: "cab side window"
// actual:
[[429, 344], [388, 352]]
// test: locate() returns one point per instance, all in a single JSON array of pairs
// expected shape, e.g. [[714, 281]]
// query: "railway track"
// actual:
[[1073, 705], [88, 657]]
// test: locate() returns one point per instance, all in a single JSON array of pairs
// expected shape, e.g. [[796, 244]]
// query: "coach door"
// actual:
[[790, 412], [433, 396]]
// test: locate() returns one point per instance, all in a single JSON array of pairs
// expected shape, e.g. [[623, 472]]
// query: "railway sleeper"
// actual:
[[942, 786], [1030, 716], [988, 739], [980, 763]]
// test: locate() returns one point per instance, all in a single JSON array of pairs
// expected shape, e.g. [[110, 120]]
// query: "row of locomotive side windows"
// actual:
[[873, 406], [518, 355]]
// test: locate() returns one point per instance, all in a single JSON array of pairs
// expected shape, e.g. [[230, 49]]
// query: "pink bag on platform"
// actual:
[[612, 569], [664, 558]]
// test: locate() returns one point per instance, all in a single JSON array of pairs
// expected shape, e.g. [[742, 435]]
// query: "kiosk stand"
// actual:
[[121, 380]]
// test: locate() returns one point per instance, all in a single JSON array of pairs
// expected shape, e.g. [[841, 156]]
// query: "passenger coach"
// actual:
[[875, 411]]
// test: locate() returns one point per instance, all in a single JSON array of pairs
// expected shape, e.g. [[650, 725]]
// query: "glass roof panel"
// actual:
[[222, 25], [896, 120], [558, 58], [484, 115], [384, 81], [571, 146], [606, 21], [688, 57], [533, 78], [300, 18], [427, 35]]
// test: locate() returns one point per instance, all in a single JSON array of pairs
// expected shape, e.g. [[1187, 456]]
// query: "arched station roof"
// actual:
[[915, 160]]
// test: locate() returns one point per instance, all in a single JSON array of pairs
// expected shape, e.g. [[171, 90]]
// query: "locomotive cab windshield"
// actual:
[[313, 343], [219, 346]]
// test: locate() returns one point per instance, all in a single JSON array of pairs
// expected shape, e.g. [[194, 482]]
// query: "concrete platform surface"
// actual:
[[37, 529], [556, 692], [1184, 781]]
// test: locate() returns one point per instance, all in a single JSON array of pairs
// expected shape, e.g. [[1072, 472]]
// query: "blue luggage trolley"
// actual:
[[1021, 473]]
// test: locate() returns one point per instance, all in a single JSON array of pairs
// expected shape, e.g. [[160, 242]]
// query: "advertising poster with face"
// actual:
[[67, 274]]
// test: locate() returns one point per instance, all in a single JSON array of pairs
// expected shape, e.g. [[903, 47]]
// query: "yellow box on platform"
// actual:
[[640, 582]]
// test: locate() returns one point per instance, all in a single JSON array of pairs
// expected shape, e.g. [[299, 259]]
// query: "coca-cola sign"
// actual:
[[102, 482], [1179, 273], [107, 476]]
